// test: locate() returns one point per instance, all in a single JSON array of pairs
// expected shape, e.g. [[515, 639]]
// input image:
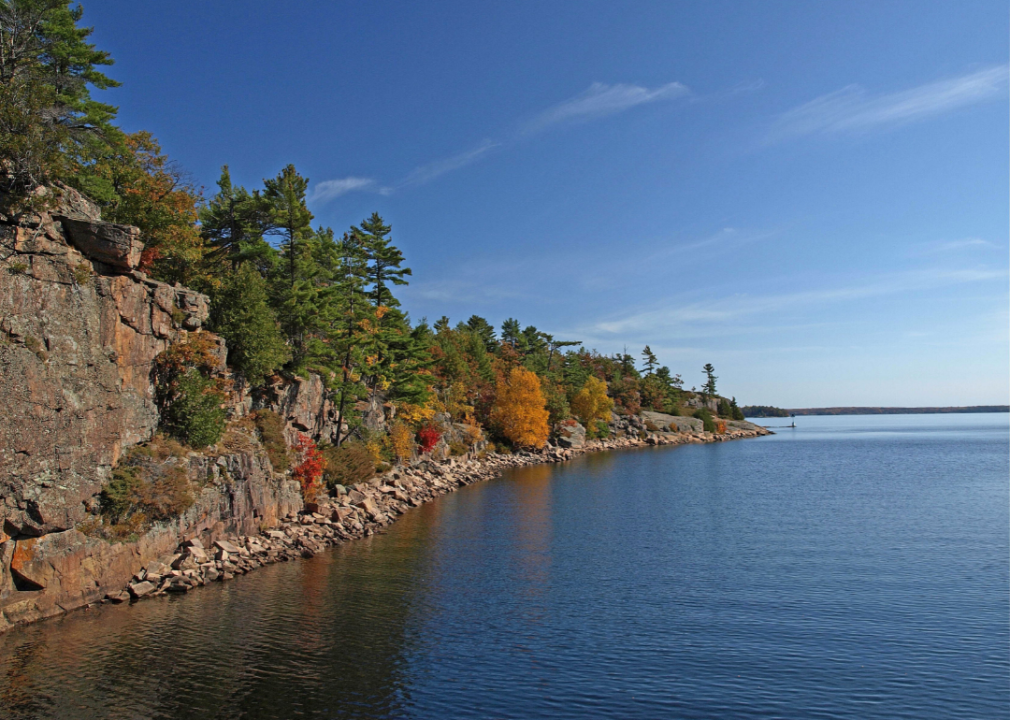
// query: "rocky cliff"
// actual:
[[80, 328]]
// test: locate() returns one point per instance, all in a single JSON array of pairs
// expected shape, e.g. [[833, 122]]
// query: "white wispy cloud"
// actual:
[[601, 100], [427, 173], [330, 189], [954, 245], [739, 306], [851, 109]]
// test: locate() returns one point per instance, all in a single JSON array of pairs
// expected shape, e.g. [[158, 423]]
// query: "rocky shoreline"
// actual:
[[360, 511]]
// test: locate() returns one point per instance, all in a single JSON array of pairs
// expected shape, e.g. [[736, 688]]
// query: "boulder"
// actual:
[[227, 547], [139, 590], [571, 434], [118, 246]]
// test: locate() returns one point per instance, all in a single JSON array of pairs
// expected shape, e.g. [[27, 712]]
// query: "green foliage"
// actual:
[[735, 412], [271, 430], [241, 314], [725, 410], [708, 389], [384, 260], [233, 223], [50, 128], [763, 411], [708, 423], [194, 415], [82, 272]]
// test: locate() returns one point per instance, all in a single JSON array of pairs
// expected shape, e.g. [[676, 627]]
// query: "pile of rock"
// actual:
[[358, 511]]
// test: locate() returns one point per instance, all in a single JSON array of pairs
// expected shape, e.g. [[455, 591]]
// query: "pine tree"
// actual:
[[50, 127], [241, 314], [353, 308], [384, 260], [288, 216], [484, 330], [233, 223], [649, 360], [708, 389], [510, 332]]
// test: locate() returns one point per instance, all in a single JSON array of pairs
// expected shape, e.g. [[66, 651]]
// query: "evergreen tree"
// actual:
[[708, 389], [346, 331], [288, 216], [510, 332], [384, 260], [649, 360], [233, 223], [50, 127], [484, 330], [241, 314]]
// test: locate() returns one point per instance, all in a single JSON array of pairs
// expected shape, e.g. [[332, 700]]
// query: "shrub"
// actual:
[[651, 426], [309, 469], [348, 464], [82, 273], [190, 400], [401, 441], [456, 448], [17, 268], [271, 429], [724, 408], [708, 424], [602, 429], [428, 437], [144, 489], [472, 434], [194, 415]]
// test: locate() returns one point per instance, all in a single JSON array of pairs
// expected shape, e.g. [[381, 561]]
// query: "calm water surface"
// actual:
[[856, 567]]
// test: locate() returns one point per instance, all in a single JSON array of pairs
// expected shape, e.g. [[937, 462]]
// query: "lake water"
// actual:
[[855, 567]]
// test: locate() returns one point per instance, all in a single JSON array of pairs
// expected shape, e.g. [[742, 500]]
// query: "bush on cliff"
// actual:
[[271, 430], [195, 415], [148, 486], [707, 423], [189, 399], [348, 464]]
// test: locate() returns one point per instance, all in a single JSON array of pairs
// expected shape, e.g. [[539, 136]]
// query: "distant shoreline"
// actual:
[[899, 410]]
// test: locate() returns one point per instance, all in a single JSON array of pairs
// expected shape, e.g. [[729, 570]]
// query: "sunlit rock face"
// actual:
[[80, 328]]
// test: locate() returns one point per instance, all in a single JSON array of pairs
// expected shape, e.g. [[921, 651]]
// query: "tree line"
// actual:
[[291, 297]]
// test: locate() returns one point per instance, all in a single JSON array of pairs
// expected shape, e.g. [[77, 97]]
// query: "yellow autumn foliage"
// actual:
[[519, 410], [401, 440], [591, 403]]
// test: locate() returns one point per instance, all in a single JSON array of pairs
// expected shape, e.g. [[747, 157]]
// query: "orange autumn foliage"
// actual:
[[519, 411]]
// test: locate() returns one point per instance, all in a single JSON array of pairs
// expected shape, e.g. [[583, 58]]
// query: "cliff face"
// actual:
[[80, 328]]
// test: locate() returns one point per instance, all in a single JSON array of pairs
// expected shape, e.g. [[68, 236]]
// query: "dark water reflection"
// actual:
[[854, 568]]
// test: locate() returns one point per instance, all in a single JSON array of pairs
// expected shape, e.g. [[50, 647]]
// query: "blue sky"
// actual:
[[811, 196]]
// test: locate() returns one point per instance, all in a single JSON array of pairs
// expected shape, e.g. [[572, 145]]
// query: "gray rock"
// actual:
[[571, 434]]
